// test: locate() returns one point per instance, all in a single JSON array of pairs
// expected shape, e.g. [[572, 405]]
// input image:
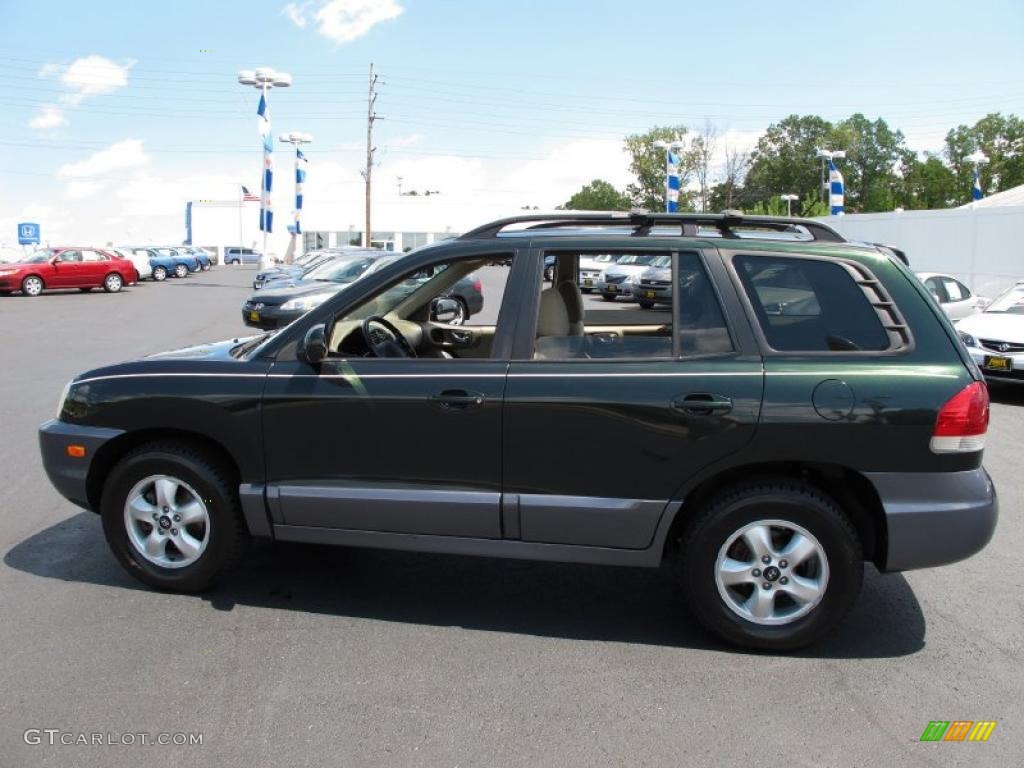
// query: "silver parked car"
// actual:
[[623, 277]]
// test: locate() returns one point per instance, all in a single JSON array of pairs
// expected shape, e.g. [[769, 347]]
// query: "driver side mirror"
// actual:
[[444, 310], [313, 349]]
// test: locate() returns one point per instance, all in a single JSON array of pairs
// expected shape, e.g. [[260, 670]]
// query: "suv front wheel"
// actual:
[[172, 516], [770, 565]]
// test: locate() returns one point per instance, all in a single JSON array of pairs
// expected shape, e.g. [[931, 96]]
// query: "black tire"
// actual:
[[180, 270], [206, 267], [786, 500], [234, 261], [5, 293], [159, 274], [228, 535], [113, 283], [609, 296], [646, 304], [586, 290], [32, 285]]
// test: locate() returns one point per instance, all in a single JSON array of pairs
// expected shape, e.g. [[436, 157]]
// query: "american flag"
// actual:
[[248, 196]]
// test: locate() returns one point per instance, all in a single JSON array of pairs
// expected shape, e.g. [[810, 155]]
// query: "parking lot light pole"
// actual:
[[296, 139], [263, 79], [789, 198], [825, 155]]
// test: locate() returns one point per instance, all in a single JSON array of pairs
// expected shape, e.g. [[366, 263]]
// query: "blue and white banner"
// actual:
[[263, 124], [301, 163], [836, 196], [672, 182], [976, 193]]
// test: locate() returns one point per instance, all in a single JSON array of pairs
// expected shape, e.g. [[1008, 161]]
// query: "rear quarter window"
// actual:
[[811, 305]]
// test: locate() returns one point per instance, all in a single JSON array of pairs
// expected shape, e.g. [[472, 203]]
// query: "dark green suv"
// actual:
[[801, 406]]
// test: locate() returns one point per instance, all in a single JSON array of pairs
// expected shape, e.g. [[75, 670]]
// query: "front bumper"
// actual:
[[658, 294], [613, 289], [1016, 371], [69, 475], [935, 518], [270, 318]]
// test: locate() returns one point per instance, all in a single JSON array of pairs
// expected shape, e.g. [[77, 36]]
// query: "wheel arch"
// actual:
[[113, 451], [851, 490]]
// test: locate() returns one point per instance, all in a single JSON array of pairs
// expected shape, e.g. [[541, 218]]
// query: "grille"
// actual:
[[997, 346], [655, 283]]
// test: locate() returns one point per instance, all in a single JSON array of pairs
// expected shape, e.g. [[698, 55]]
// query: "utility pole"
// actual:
[[371, 99]]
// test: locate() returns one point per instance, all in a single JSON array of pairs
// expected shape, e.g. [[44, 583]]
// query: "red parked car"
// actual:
[[82, 268]]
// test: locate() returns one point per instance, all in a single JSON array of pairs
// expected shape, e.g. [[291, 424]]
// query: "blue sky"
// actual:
[[525, 99]]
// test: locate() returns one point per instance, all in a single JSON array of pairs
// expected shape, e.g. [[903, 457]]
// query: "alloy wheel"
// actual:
[[771, 572], [167, 521], [180, 270], [32, 286], [113, 283]]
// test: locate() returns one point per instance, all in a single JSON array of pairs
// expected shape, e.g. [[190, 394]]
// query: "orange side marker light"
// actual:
[[76, 451]]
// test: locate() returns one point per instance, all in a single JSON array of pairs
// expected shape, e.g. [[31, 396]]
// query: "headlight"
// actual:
[[967, 339], [63, 396], [5, 272], [306, 303]]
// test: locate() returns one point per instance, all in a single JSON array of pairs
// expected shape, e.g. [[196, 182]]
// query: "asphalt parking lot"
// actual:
[[353, 657]]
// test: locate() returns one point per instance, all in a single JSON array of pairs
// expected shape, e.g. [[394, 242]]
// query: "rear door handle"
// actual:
[[703, 404], [458, 399]]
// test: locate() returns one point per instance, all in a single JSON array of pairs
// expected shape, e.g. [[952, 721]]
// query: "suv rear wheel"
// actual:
[[172, 517], [770, 565]]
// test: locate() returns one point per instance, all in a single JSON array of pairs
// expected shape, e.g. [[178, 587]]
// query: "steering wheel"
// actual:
[[380, 345]]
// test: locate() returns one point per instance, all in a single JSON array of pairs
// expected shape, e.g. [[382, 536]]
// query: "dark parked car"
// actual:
[[803, 408], [82, 268], [283, 301], [309, 260]]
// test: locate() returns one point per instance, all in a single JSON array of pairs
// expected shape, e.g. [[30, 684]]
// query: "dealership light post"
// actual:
[[789, 198], [296, 139], [263, 79], [976, 159], [827, 155], [672, 181]]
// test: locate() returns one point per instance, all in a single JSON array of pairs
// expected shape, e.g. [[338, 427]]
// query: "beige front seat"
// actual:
[[558, 336]]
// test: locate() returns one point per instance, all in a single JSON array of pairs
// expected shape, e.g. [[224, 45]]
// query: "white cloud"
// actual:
[[342, 20], [124, 154], [297, 15], [48, 117], [94, 76], [82, 78]]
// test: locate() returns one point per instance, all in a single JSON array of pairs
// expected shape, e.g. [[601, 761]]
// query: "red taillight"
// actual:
[[962, 421], [477, 285]]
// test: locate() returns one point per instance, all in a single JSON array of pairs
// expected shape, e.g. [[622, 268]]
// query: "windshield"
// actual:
[[36, 258], [1011, 301], [343, 270]]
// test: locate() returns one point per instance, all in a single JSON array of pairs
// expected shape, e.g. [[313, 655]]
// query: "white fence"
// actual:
[[983, 247]]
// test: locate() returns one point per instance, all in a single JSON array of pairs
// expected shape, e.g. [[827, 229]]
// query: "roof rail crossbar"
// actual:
[[726, 223]]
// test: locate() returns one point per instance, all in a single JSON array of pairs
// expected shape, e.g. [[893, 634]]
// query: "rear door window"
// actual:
[[810, 305]]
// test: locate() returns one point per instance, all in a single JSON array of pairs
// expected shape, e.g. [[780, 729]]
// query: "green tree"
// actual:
[[647, 163], [1001, 139], [598, 195], [873, 150], [926, 184], [785, 159]]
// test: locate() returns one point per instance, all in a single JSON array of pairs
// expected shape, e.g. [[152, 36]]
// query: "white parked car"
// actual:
[[995, 337], [591, 267], [624, 275], [953, 296], [139, 259]]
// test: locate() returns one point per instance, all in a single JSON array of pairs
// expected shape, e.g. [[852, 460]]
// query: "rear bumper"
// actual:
[[67, 474], [935, 518]]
